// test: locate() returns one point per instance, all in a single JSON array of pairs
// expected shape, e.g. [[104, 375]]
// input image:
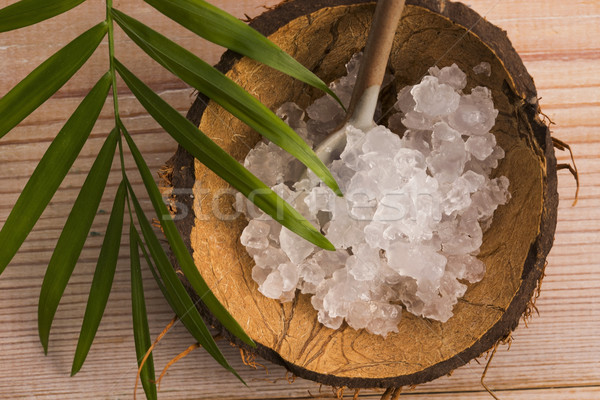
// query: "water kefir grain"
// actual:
[[417, 199]]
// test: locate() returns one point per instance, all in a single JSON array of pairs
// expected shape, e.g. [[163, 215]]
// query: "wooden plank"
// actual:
[[579, 393], [556, 357]]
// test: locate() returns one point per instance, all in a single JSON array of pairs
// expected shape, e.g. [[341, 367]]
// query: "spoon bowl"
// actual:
[[370, 77]]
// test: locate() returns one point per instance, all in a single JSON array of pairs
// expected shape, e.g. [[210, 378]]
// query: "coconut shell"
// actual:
[[323, 35]]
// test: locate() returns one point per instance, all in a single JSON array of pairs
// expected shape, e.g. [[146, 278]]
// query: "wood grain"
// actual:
[[556, 357]]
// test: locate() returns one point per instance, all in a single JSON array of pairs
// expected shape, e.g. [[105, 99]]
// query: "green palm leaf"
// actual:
[[224, 29], [224, 91], [102, 281], [212, 24], [51, 171], [46, 79], [73, 236], [180, 250], [215, 158], [175, 292], [29, 12], [152, 268], [141, 332]]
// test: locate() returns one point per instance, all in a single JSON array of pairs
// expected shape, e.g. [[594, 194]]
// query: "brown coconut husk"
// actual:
[[322, 35]]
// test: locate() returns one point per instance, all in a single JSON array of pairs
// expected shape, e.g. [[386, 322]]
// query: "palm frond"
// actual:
[[103, 279], [50, 172], [220, 162], [73, 236], [175, 292], [46, 79], [225, 92], [141, 332], [29, 12], [180, 250], [224, 29]]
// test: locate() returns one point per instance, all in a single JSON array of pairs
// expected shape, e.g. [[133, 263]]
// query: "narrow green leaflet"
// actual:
[[225, 92], [152, 268], [167, 294], [180, 250], [221, 163], [102, 281], [46, 79], [29, 12], [51, 171], [175, 292], [219, 27], [73, 236], [141, 332]]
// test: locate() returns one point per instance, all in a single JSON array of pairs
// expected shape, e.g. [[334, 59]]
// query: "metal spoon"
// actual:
[[369, 79]]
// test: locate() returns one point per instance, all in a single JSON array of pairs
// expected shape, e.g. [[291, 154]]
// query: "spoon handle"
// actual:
[[372, 69]]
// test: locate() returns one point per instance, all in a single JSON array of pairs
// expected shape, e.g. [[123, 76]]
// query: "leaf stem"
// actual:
[[111, 56], [115, 94]]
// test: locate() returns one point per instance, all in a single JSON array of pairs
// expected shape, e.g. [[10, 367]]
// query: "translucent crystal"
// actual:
[[452, 76], [284, 192], [354, 141], [481, 147], [267, 162], [418, 121], [458, 196], [361, 186], [417, 140], [394, 207], [272, 286], [359, 314], [409, 227], [379, 318], [406, 160], [330, 261], [416, 261], [433, 98], [296, 248], [324, 113], [466, 266], [385, 318], [319, 198], [483, 68], [310, 271], [344, 231], [270, 257], [342, 174], [381, 141], [405, 102], [260, 274], [447, 161], [475, 114], [361, 206], [474, 180], [329, 321], [493, 194], [364, 264], [255, 234], [442, 132], [374, 235], [293, 115], [289, 276]]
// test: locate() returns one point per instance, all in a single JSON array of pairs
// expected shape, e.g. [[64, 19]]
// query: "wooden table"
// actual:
[[556, 357]]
